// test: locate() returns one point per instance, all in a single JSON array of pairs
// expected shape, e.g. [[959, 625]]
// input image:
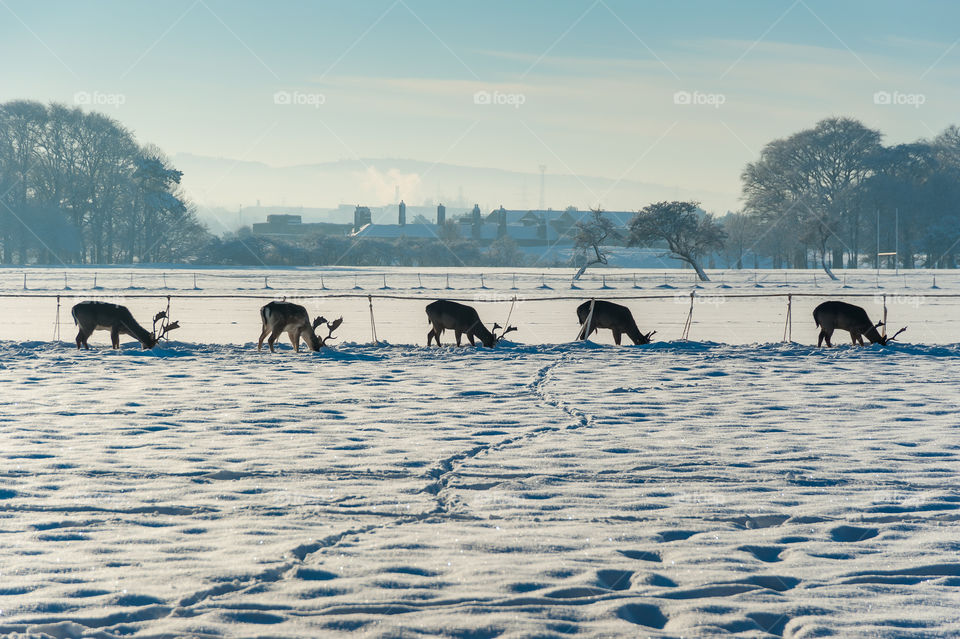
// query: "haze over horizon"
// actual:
[[630, 102]]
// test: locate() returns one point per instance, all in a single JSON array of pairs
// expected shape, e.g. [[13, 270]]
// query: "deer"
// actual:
[[832, 315], [616, 317], [104, 316], [463, 320], [278, 317]]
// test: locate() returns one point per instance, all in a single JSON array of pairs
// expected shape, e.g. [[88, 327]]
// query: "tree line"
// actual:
[[76, 188], [834, 194]]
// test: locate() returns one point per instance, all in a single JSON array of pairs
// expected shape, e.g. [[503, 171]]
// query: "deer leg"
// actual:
[[616, 336], [115, 337], [295, 339], [820, 339], [263, 335], [459, 336], [470, 337], [430, 337], [82, 339], [273, 338]]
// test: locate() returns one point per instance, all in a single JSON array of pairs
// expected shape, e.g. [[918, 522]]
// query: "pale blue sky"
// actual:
[[597, 80]]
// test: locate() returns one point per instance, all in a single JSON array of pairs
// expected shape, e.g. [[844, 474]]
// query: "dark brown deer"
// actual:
[[830, 316], [104, 316], [279, 317], [463, 320], [616, 317]]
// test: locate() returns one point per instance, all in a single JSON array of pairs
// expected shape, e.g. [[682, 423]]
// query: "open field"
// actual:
[[542, 488]]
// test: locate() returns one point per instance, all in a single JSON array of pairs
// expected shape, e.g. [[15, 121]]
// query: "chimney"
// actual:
[[441, 215], [403, 214], [477, 227]]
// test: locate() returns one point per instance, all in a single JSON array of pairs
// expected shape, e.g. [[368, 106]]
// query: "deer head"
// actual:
[[646, 337]]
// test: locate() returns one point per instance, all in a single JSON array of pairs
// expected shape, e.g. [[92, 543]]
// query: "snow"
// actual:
[[542, 488]]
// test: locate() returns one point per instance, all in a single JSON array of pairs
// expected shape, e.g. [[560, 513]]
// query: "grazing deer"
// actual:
[[279, 317], [617, 318], [463, 320], [104, 316], [830, 316]]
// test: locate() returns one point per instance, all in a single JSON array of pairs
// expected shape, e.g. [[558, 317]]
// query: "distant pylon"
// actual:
[[543, 171]]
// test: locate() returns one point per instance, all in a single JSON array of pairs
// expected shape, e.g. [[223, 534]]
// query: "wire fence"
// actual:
[[557, 279]]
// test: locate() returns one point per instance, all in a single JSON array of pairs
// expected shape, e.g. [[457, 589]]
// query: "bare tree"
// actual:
[[591, 235], [688, 235]]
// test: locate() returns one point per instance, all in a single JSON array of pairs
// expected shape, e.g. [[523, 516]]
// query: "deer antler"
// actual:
[[319, 320], [507, 330], [165, 327], [890, 339], [331, 327]]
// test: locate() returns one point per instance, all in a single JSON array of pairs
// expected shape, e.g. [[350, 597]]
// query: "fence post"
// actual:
[[195, 282], [509, 314], [65, 286], [884, 315], [373, 325], [686, 326], [24, 281], [265, 284], [131, 279], [788, 326], [94, 280], [583, 329], [164, 280], [448, 280], [56, 322]]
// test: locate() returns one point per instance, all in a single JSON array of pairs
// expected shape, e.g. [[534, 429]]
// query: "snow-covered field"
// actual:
[[542, 488]]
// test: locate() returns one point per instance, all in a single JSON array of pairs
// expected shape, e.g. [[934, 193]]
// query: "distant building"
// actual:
[[361, 217], [288, 226], [416, 230]]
